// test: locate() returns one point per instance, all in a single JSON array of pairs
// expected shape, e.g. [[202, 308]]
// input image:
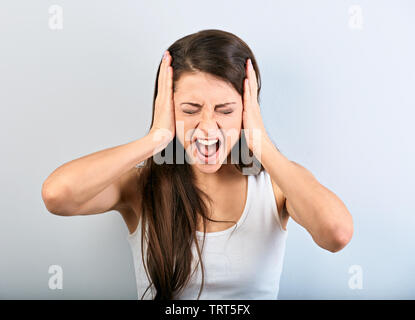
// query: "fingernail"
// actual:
[[165, 55], [250, 62]]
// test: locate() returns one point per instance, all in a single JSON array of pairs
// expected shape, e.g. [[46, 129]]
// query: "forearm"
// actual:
[[314, 207], [83, 178]]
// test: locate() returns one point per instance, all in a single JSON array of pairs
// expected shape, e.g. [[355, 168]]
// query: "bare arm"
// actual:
[[309, 203], [93, 183]]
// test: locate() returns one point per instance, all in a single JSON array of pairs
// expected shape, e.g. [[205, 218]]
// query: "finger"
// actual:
[[166, 64], [247, 93], [252, 79], [162, 76], [248, 75], [169, 79], [169, 82]]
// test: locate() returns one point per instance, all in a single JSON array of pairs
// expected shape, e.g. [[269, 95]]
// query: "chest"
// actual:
[[246, 264], [227, 206]]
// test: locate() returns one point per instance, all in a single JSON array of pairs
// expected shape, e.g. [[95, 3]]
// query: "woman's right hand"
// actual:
[[164, 123]]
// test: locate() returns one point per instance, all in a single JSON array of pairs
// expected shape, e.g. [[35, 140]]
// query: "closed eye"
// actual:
[[192, 112], [198, 106], [189, 112]]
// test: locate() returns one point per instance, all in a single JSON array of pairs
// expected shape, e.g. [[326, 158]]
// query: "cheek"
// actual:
[[232, 127], [233, 122], [232, 137], [184, 129]]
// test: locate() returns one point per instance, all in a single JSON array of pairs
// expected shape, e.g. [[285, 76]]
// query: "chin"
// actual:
[[207, 168]]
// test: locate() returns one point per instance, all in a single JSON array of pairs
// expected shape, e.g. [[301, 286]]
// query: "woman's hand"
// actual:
[[163, 128], [252, 119]]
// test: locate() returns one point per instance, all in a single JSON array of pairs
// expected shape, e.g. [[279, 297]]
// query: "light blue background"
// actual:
[[337, 100]]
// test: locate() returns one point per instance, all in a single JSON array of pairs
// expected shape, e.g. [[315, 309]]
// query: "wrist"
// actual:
[[260, 143], [159, 138]]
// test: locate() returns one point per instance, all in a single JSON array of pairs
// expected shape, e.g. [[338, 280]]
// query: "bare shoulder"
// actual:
[[130, 202], [280, 200]]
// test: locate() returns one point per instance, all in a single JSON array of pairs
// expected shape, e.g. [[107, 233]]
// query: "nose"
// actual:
[[208, 122]]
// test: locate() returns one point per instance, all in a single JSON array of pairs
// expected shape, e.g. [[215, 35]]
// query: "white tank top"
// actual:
[[242, 262]]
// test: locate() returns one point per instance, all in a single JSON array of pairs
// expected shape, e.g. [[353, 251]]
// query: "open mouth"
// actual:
[[207, 150]]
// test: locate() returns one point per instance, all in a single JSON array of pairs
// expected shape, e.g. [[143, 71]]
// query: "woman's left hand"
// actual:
[[251, 115]]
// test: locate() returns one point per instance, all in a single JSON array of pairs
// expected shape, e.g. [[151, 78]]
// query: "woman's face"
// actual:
[[208, 114]]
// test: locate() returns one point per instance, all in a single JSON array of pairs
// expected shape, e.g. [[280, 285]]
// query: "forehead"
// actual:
[[202, 85]]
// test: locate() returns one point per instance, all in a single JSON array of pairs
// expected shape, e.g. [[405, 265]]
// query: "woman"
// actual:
[[203, 228]]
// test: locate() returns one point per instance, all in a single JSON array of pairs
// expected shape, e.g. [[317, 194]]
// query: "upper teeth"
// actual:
[[207, 142]]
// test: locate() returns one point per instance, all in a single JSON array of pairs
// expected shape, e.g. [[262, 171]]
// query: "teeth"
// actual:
[[207, 142]]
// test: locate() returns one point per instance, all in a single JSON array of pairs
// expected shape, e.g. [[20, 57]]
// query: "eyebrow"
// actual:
[[216, 106]]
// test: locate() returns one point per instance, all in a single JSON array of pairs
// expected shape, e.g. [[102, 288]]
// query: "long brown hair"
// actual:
[[170, 200]]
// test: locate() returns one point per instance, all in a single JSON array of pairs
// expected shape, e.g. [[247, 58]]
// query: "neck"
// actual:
[[209, 181]]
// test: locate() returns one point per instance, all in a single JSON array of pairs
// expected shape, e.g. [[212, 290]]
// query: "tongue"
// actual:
[[209, 150]]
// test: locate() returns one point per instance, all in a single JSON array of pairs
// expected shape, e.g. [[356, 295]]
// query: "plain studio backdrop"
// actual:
[[337, 97]]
